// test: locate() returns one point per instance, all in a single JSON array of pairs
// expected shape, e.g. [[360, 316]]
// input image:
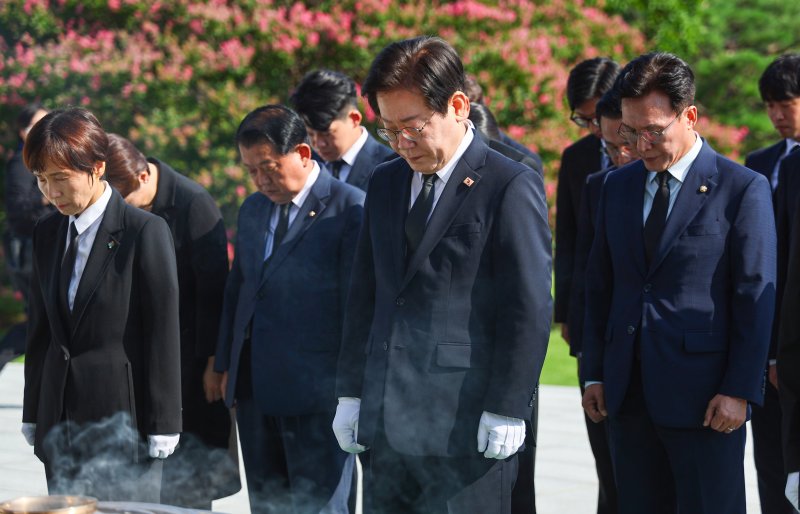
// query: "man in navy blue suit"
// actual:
[[449, 311], [679, 303], [328, 103], [282, 318], [780, 90]]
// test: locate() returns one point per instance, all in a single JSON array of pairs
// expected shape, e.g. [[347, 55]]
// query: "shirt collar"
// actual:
[[448, 168], [790, 144], [681, 168], [349, 157], [93, 212], [300, 197]]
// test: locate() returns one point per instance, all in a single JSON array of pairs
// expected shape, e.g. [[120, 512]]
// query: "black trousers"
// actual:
[[404, 484], [523, 497]]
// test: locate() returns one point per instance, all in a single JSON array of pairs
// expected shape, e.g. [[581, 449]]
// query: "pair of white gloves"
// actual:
[[158, 446], [499, 437]]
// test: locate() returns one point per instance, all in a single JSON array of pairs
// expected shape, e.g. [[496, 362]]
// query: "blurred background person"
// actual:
[[102, 359], [779, 86], [24, 205], [328, 103], [486, 127], [200, 469]]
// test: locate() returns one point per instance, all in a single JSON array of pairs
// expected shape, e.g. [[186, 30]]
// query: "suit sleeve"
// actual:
[[566, 230], [752, 253], [583, 245], [523, 267], [597, 300], [209, 260], [353, 216], [37, 341], [158, 278], [359, 311], [222, 360], [789, 355]]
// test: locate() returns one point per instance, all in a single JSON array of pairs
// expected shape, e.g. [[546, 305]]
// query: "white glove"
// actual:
[[500, 437], [162, 446], [345, 424], [791, 489], [29, 432]]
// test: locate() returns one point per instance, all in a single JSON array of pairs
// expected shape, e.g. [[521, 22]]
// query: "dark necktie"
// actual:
[[654, 226], [417, 217], [282, 227], [336, 167], [68, 265]]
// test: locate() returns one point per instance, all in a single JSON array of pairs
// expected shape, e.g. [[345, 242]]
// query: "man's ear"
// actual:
[[305, 152], [355, 117], [460, 103], [691, 115]]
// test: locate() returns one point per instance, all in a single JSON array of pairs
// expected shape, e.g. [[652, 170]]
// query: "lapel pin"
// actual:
[[703, 189], [111, 244], [468, 182], [312, 214]]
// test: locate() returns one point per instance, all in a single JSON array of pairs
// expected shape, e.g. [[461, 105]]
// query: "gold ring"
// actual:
[[729, 429]]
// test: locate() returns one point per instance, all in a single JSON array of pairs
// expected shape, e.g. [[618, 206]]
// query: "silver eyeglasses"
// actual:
[[408, 133], [653, 137]]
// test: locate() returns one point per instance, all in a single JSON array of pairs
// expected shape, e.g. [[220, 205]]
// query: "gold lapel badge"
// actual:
[[704, 189], [468, 182], [312, 214]]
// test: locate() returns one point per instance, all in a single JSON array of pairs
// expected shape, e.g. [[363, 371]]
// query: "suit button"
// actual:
[[400, 301], [631, 330], [386, 346], [648, 287]]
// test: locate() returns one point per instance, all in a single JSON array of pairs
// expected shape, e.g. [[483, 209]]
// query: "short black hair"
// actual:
[[659, 71], [426, 64], [275, 125], [781, 80], [610, 104], [590, 79], [484, 120], [324, 96]]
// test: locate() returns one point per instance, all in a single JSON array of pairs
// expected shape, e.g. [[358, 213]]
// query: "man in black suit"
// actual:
[[200, 470], [780, 90], [328, 103], [587, 83], [449, 307], [102, 362], [282, 318]]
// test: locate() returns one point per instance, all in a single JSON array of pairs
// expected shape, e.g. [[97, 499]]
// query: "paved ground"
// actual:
[[565, 478]]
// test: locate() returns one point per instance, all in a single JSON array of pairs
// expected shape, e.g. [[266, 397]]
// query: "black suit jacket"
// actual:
[[370, 155], [23, 199], [122, 353], [513, 143], [461, 328], [577, 162], [764, 160], [788, 352]]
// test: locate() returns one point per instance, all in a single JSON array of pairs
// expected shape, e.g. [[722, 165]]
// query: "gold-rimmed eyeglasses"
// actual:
[[653, 137], [408, 133]]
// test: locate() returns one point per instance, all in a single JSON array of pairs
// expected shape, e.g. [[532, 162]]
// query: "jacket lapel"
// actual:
[[449, 203], [54, 271], [401, 183], [636, 178], [309, 212], [105, 247], [690, 200]]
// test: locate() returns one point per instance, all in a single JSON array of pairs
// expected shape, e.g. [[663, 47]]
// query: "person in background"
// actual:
[[200, 469], [282, 318], [24, 204], [587, 83], [328, 103], [779, 86], [102, 359]]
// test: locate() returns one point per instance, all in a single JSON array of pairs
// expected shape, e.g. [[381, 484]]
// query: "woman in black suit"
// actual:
[[102, 383], [201, 469]]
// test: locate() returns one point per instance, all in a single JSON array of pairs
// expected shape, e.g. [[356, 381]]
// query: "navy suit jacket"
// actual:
[[702, 309], [295, 303], [764, 160], [577, 162], [370, 155], [463, 327]]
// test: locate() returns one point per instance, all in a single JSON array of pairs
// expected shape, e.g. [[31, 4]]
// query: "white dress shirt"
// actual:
[[86, 223], [294, 208], [349, 157]]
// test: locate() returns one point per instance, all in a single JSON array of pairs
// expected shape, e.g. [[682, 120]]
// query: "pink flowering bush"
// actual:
[[177, 76]]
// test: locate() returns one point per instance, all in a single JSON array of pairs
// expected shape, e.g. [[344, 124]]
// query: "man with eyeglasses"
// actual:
[[448, 314], [328, 103], [680, 296], [779, 86], [587, 82]]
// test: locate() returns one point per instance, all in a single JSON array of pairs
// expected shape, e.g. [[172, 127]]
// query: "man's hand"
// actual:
[[29, 432], [500, 437], [594, 402], [791, 489], [725, 413], [565, 332], [772, 374], [345, 425], [212, 382], [162, 446]]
